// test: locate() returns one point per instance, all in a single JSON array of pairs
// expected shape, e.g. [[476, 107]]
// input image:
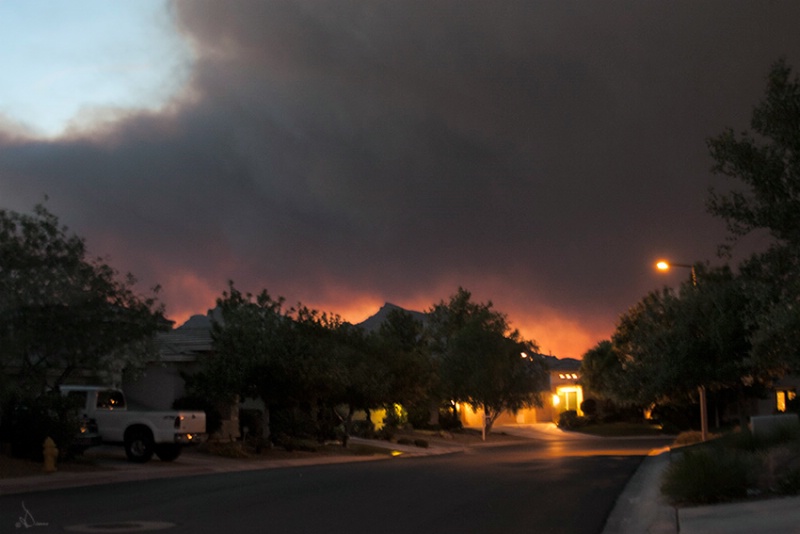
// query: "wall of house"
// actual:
[[564, 394], [156, 388]]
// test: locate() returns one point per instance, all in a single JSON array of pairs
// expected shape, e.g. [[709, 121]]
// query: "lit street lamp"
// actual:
[[664, 265]]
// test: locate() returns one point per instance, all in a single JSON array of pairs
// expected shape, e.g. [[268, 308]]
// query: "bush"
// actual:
[[422, 443], [34, 420], [386, 433], [709, 475], [589, 407], [689, 437], [789, 483], [363, 429], [570, 420]]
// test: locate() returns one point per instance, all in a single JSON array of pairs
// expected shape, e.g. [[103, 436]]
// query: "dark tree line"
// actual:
[[313, 371], [731, 331]]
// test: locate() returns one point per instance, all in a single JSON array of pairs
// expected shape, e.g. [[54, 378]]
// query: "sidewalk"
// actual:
[[641, 509]]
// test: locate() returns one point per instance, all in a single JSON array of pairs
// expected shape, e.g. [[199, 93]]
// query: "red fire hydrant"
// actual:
[[50, 453]]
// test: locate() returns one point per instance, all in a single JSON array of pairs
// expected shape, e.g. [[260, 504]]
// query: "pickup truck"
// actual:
[[107, 419]]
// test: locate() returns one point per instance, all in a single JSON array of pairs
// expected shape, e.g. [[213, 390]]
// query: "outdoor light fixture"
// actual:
[[664, 265]]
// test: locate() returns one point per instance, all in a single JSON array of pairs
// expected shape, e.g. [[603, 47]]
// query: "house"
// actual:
[[181, 352], [564, 393]]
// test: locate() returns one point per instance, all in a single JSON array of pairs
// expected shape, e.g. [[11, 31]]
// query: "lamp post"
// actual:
[[664, 265]]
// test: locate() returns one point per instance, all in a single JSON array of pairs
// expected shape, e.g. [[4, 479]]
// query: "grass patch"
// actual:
[[621, 429]]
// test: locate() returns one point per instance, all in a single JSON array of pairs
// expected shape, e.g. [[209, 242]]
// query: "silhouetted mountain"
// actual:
[[374, 322]]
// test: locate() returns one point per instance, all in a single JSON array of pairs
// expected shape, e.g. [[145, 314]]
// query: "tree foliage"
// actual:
[[766, 160], [62, 312], [308, 363], [672, 342], [313, 363], [407, 376], [602, 372], [479, 358]]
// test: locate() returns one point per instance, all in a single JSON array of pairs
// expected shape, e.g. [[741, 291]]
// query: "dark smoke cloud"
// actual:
[[541, 154]]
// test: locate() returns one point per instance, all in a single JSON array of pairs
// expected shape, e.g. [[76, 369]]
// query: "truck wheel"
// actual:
[[167, 452], [138, 445]]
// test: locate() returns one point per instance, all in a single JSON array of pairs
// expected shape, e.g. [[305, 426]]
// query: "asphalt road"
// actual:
[[532, 487]]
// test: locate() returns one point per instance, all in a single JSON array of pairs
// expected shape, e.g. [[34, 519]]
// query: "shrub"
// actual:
[[34, 420], [589, 407], [422, 443], [709, 475], [570, 420], [789, 483], [405, 441], [363, 429], [386, 433], [688, 438], [747, 441]]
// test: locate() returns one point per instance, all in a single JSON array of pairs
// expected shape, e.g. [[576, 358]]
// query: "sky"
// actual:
[[541, 154]]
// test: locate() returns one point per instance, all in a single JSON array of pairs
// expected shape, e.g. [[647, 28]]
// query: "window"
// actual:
[[782, 397], [110, 399]]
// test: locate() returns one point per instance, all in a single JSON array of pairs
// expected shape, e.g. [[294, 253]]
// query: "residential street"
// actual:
[[532, 486]]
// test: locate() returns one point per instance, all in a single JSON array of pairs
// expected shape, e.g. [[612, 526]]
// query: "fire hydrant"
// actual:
[[50, 453]]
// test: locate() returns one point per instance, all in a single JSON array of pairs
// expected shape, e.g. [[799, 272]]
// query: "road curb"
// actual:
[[640, 508]]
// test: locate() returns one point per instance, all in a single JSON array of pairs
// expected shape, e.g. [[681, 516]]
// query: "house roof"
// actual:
[[562, 364], [187, 341]]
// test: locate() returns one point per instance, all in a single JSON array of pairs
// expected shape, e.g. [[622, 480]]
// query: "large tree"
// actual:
[[603, 373], [408, 375], [766, 160], [481, 360], [62, 312], [672, 343], [307, 366]]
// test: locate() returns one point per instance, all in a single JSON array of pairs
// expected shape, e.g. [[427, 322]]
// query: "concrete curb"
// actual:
[[640, 508]]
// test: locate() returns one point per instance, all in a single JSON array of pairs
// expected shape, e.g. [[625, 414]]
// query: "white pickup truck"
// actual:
[[142, 432]]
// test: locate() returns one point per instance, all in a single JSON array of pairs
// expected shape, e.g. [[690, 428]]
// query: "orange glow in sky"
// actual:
[[555, 334]]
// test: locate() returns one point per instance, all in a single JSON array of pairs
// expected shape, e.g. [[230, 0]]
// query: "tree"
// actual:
[[302, 363], [602, 372], [62, 312], [672, 343], [767, 161], [408, 376], [480, 358]]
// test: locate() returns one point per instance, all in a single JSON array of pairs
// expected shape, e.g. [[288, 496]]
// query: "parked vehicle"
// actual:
[[106, 418]]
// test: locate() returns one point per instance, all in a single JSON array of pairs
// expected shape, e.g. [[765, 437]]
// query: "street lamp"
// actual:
[[663, 265]]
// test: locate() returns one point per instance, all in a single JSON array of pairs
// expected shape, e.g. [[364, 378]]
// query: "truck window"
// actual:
[[110, 399]]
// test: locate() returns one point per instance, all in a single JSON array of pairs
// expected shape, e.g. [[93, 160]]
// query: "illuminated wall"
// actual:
[[564, 394]]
